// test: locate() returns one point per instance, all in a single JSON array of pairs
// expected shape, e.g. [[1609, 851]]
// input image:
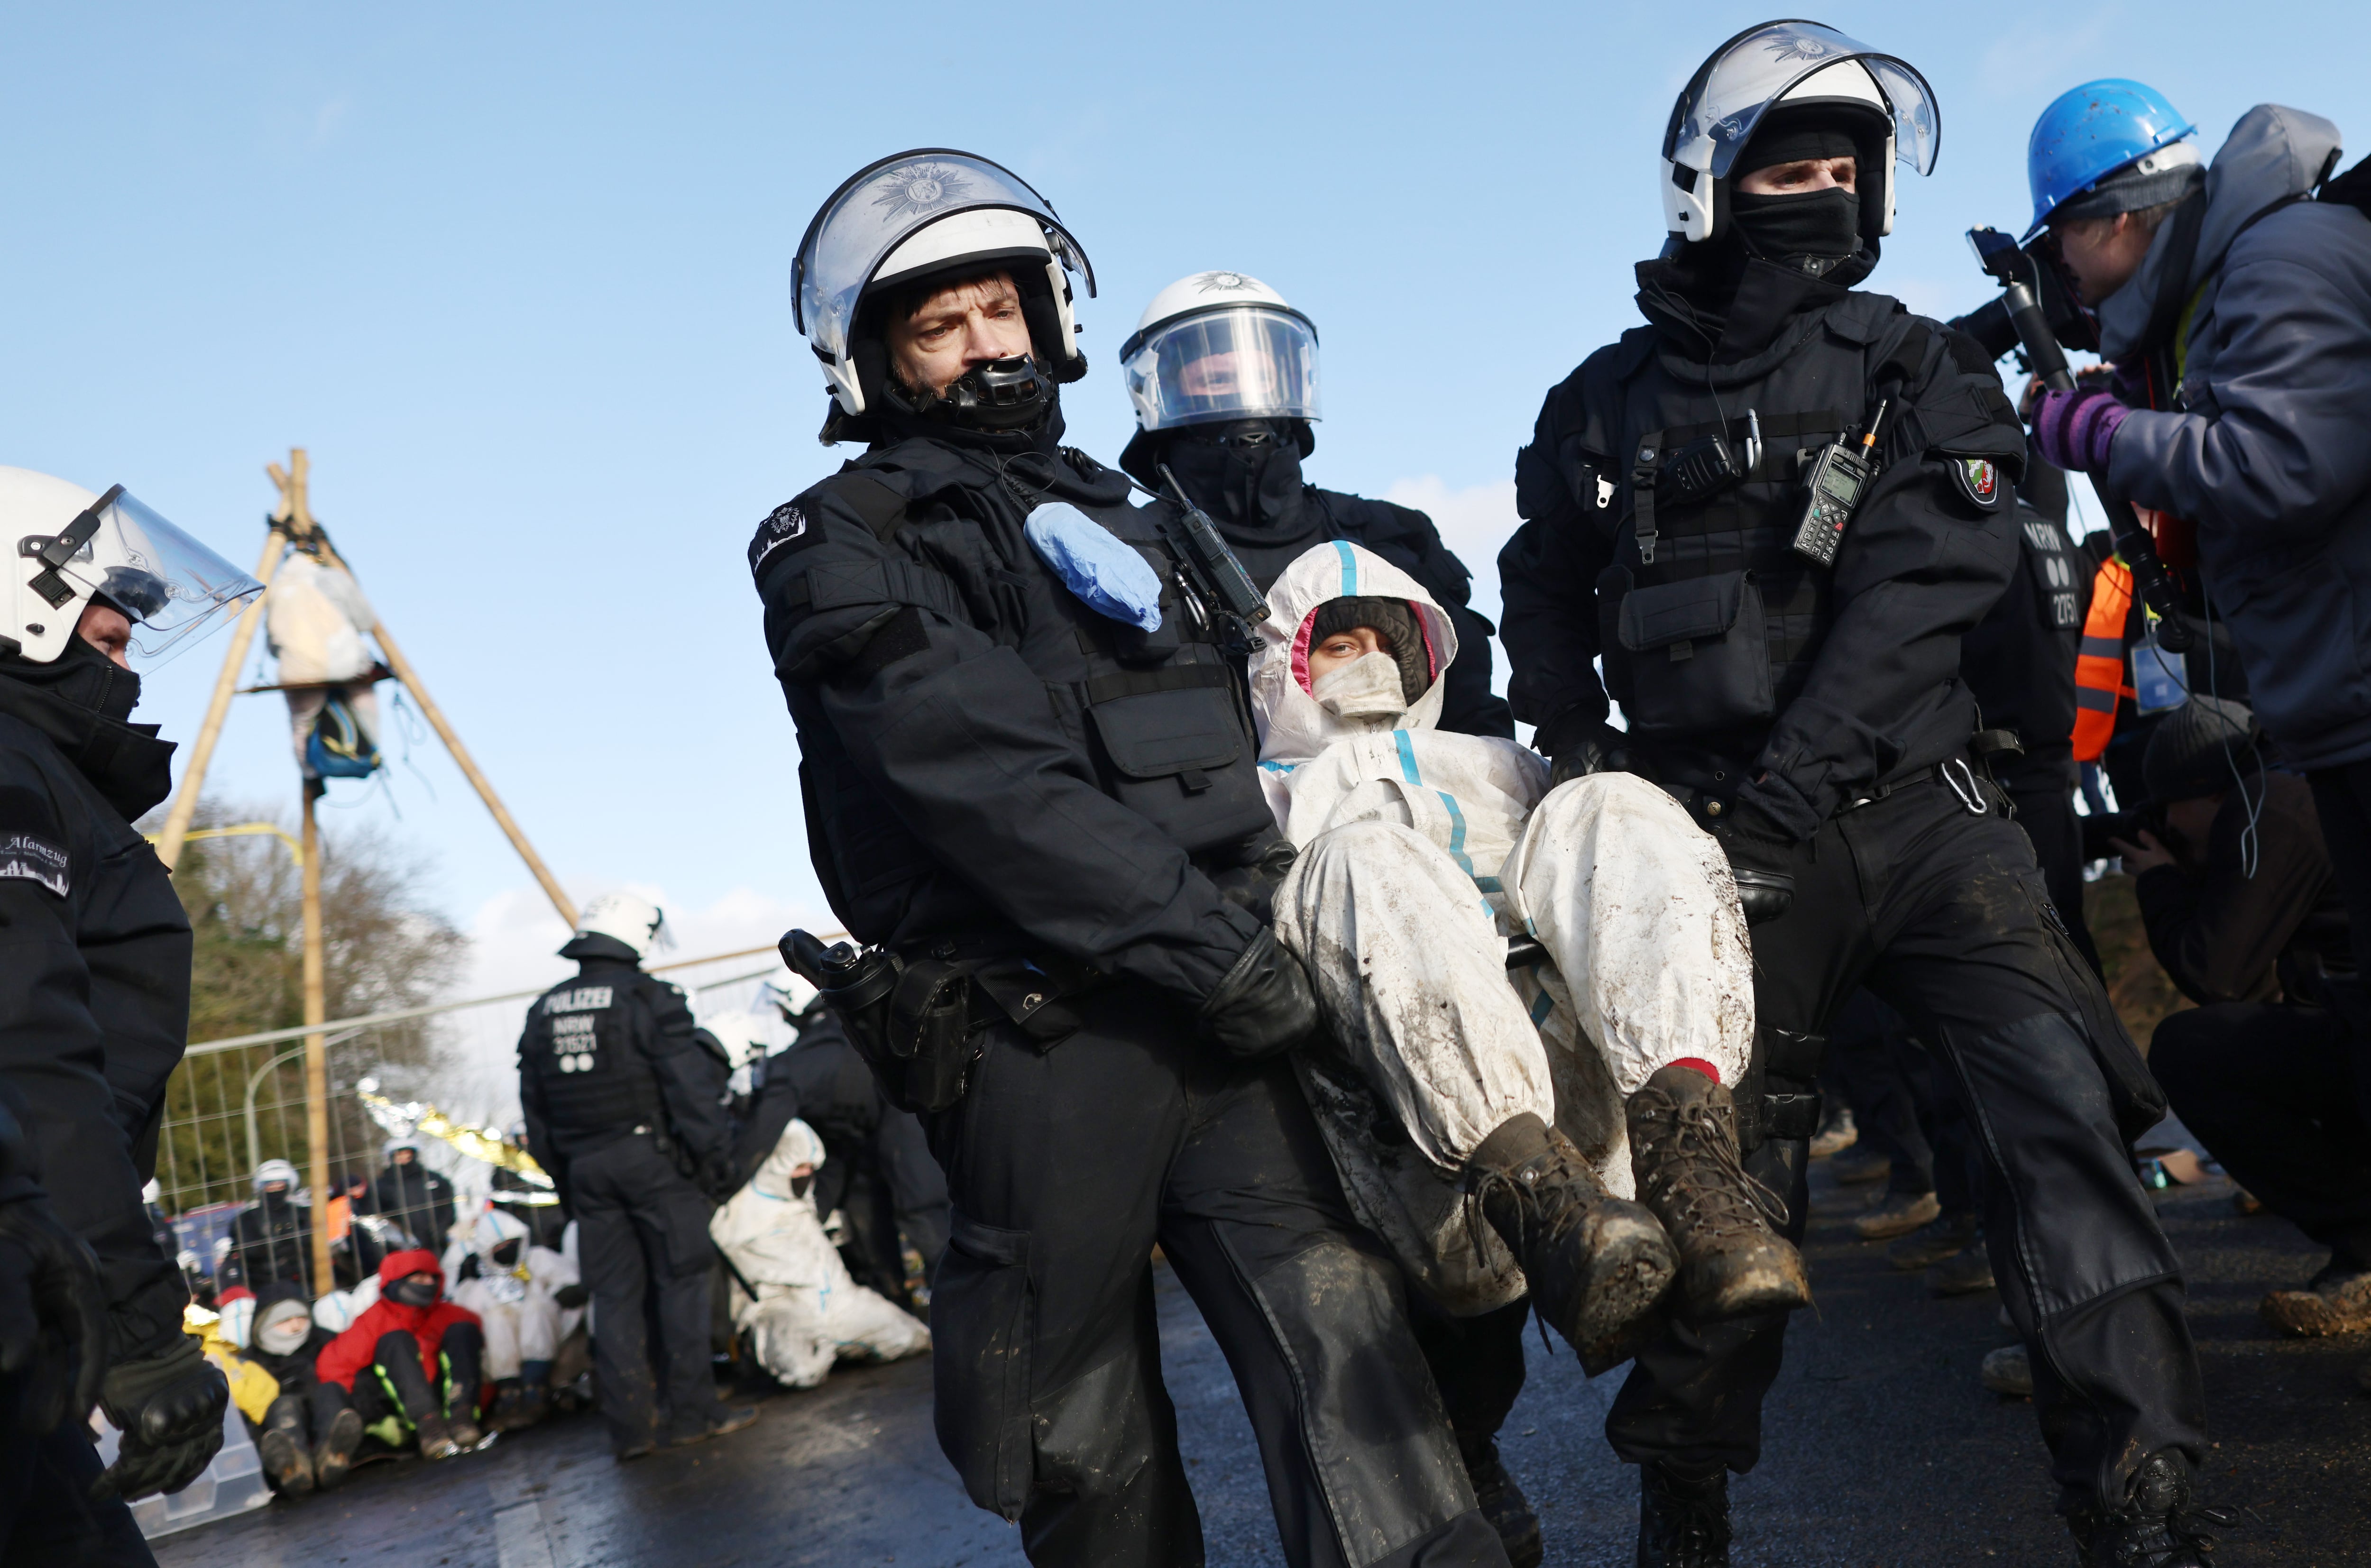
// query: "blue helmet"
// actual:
[[2092, 131]]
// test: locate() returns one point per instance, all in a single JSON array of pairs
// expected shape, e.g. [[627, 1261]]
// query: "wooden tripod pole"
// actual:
[[194, 777], [317, 1052]]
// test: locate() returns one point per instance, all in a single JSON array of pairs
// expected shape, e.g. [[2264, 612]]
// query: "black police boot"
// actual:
[[1682, 1523], [1684, 1149], [2156, 1527], [1503, 1502], [1596, 1264]]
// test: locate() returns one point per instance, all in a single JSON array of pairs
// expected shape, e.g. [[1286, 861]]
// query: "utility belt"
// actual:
[[917, 1015], [1707, 783]]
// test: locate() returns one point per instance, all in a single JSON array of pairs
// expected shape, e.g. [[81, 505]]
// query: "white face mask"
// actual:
[[1366, 688], [281, 1336]]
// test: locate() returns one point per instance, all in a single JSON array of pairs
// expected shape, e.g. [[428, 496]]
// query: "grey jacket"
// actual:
[[2270, 454]]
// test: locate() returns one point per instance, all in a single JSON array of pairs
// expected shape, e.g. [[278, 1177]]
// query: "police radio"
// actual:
[[1215, 564], [1839, 477]]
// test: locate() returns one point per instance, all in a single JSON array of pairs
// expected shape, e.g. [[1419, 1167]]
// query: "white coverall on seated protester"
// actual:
[[809, 1312], [1422, 853], [514, 1301]]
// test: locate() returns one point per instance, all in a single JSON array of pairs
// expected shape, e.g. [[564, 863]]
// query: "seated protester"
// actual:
[[409, 1194], [527, 1299], [410, 1361], [2261, 1071], [273, 1237], [809, 1311], [306, 1434], [1420, 852]]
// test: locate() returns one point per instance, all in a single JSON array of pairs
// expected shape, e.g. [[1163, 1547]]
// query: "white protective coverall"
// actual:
[[809, 1312], [316, 619], [514, 1303], [1421, 853]]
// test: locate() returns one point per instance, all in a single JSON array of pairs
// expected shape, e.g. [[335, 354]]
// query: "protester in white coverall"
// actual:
[[809, 1313], [316, 619], [1422, 853], [528, 1299]]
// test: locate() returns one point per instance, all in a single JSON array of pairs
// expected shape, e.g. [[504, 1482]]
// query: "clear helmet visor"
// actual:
[[883, 205], [167, 582], [1717, 113], [1237, 362]]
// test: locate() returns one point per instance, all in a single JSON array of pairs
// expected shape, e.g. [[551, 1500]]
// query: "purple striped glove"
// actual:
[[2072, 430]]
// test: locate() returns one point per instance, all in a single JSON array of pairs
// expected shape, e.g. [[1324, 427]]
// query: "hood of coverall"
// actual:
[[1294, 723], [799, 1145]]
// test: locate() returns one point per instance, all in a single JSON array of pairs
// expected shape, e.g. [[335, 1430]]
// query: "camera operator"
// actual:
[[2259, 1072], [2236, 309]]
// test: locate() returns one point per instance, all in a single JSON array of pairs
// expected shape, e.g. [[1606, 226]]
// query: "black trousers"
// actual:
[[1864, 1046], [1477, 1364], [1943, 913], [894, 1194], [641, 1243], [2269, 1089], [307, 1413], [2044, 790], [1067, 1165], [396, 1384], [47, 1520]]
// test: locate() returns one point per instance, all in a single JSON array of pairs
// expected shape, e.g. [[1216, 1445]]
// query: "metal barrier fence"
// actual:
[[234, 1103]]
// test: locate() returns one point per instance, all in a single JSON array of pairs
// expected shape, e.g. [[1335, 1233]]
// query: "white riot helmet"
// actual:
[[272, 1170], [637, 922], [931, 214], [68, 547], [1220, 346], [745, 1037], [1800, 64]]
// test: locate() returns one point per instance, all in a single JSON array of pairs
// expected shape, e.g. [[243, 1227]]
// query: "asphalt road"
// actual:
[[1880, 1449]]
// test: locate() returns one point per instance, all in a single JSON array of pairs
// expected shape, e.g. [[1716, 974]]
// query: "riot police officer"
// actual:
[[624, 1106], [1774, 511], [1223, 375], [1028, 783], [273, 1237], [95, 992]]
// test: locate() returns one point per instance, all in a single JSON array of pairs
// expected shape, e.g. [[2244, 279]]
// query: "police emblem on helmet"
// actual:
[[919, 188], [1979, 480]]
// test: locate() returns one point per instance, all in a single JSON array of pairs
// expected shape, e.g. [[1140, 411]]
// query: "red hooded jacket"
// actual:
[[358, 1347]]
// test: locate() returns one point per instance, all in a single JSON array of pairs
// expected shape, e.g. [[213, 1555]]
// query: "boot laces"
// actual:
[[1702, 1177], [1557, 1199]]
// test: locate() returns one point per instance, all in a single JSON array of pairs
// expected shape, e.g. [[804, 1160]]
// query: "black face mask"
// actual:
[[407, 1292], [84, 677], [80, 700], [1814, 230], [507, 1254], [1247, 475]]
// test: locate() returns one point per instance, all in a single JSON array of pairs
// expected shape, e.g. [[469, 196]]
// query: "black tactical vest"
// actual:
[[1161, 716], [1709, 621], [580, 1043]]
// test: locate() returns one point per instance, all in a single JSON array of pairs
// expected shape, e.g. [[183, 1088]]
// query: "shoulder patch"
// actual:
[[786, 527], [31, 857], [1979, 480]]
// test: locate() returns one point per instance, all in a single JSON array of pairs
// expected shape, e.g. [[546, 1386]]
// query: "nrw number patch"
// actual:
[[34, 859], [785, 525], [1979, 480]]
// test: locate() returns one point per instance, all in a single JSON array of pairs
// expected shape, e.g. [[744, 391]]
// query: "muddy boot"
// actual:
[[2156, 1527], [1683, 1148], [1682, 1523], [282, 1449], [2335, 1301], [508, 1398], [335, 1454], [1596, 1264], [466, 1435], [1502, 1503], [436, 1438]]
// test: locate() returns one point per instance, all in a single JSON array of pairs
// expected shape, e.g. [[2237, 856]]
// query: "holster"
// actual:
[[921, 1035]]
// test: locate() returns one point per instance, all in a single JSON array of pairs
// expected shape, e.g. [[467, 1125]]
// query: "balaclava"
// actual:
[[282, 1326], [1244, 473], [84, 677], [410, 1292], [1816, 231], [1396, 624]]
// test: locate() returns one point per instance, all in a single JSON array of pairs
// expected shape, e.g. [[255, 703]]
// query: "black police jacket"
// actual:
[[982, 755], [613, 1051], [416, 1198], [272, 1241], [94, 984], [1407, 538], [1745, 671]]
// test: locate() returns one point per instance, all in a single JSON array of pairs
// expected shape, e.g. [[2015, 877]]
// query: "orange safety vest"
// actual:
[[2100, 666]]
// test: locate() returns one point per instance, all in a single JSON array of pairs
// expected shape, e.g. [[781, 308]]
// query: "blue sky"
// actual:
[[517, 277]]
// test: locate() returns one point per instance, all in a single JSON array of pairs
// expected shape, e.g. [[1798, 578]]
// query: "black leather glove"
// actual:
[[52, 1317], [719, 1178], [1253, 884], [168, 1405], [1264, 1006], [571, 1297], [1761, 853], [1579, 750]]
